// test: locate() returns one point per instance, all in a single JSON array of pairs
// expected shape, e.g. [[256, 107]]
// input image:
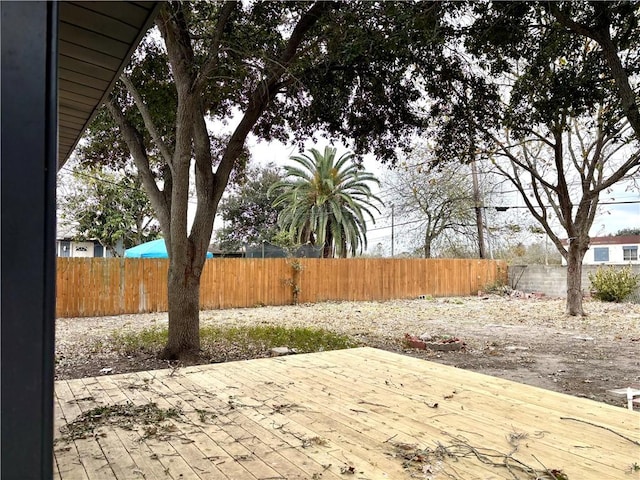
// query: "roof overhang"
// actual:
[[95, 42]]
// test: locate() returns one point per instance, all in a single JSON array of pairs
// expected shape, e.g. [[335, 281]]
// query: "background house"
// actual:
[[67, 246], [618, 250]]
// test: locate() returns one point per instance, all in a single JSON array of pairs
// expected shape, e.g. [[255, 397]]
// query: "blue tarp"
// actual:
[[153, 249]]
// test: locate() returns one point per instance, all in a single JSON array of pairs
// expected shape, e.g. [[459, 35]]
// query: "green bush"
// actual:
[[612, 284]]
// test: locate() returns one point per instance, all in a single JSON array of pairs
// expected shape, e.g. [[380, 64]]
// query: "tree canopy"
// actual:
[[109, 206], [248, 211]]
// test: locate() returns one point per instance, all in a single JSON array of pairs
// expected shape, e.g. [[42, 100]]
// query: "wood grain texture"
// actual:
[[318, 415], [89, 287]]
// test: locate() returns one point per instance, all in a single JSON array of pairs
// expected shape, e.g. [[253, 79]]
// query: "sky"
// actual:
[[610, 219]]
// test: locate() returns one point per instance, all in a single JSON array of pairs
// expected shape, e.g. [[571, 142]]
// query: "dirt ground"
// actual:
[[530, 341]]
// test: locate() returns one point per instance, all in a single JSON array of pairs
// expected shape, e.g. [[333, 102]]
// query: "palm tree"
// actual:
[[325, 202]]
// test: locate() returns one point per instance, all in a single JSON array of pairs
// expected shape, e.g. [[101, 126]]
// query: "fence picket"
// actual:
[[113, 286]]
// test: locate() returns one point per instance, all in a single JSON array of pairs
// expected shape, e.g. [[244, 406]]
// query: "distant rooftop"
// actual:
[[612, 240]]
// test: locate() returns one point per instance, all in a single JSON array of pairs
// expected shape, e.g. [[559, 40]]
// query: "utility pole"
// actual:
[[478, 207], [392, 229]]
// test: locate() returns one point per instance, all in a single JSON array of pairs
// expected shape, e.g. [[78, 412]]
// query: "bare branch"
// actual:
[[505, 151]]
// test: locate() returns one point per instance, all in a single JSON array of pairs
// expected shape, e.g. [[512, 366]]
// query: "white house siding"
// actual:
[[81, 249], [616, 254], [611, 251]]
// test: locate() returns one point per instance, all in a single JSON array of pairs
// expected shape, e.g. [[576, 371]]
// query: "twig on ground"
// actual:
[[604, 428], [461, 448]]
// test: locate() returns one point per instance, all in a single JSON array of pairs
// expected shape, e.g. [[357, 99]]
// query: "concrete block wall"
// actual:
[[550, 279]]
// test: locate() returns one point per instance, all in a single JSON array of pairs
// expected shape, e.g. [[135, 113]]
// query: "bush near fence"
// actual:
[[113, 286]]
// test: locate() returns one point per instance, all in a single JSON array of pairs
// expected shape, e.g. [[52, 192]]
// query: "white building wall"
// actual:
[[615, 255], [82, 249]]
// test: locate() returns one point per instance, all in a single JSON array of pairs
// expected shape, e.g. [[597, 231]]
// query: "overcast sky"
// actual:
[[611, 218]]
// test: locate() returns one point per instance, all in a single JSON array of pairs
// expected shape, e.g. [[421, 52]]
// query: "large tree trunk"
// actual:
[[427, 246], [184, 307], [187, 250], [574, 279]]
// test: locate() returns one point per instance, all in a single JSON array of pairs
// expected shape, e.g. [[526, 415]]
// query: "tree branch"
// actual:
[[211, 63], [505, 151], [263, 94], [134, 142], [602, 35], [174, 30], [148, 121]]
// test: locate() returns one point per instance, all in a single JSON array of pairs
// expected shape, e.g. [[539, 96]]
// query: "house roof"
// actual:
[[95, 42], [612, 240], [618, 240]]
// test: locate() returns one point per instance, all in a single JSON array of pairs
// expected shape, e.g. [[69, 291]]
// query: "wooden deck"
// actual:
[[360, 413]]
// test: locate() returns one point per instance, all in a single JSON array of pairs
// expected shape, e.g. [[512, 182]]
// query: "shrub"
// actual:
[[612, 284]]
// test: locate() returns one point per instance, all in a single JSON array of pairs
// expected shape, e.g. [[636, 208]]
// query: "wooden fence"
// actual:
[[109, 286]]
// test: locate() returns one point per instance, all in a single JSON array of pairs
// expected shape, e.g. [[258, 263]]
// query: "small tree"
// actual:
[[439, 201], [560, 176], [567, 127], [109, 206], [248, 212]]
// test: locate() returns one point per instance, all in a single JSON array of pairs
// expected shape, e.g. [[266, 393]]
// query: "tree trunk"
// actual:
[[327, 248], [478, 208], [184, 308], [427, 248], [574, 279]]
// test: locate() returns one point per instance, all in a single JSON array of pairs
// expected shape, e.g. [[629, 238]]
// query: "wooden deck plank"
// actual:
[[175, 451], [519, 410], [150, 464], [222, 448], [502, 388], [67, 465], [553, 444], [358, 425], [260, 425], [332, 412], [254, 458], [360, 463], [204, 457], [463, 398], [554, 440], [255, 419], [269, 419], [87, 453], [113, 447]]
